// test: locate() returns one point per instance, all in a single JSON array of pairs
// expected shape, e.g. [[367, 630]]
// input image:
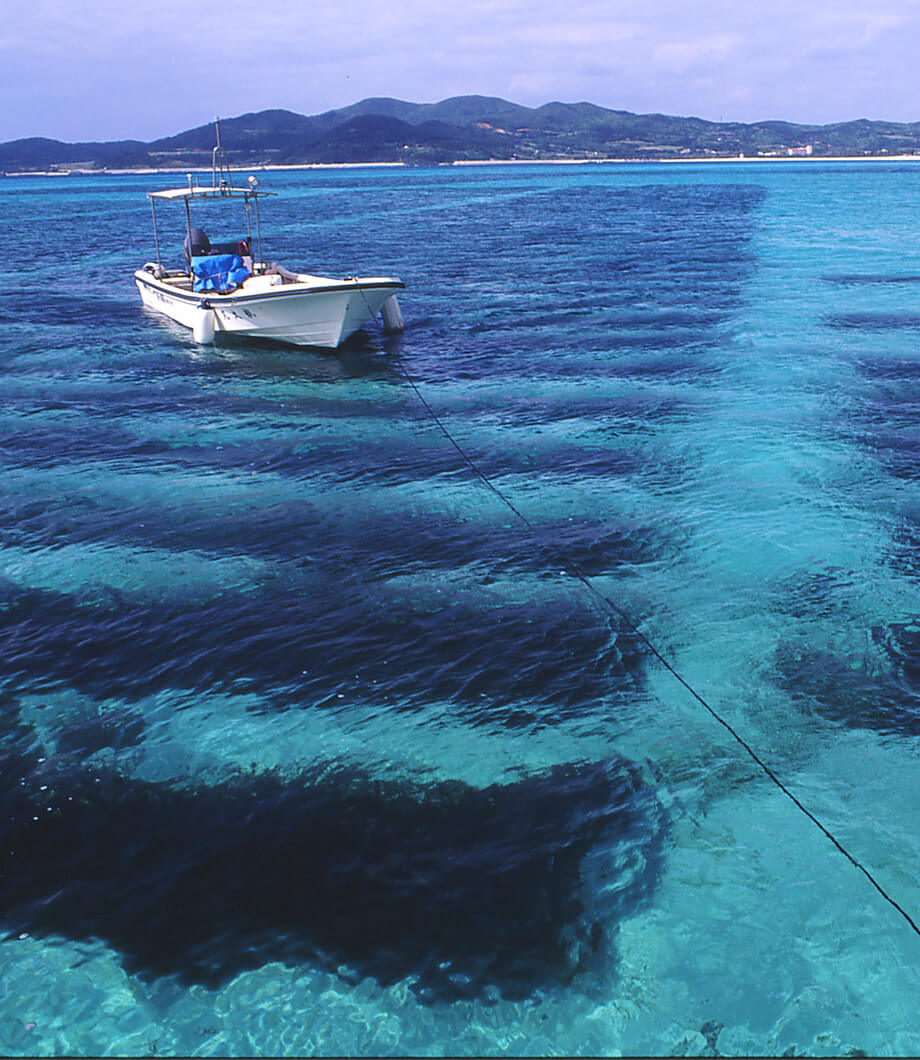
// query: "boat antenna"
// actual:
[[219, 158]]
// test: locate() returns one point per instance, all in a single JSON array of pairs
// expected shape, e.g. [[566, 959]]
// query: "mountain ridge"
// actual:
[[464, 128]]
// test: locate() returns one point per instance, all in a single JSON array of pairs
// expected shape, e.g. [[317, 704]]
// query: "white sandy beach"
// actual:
[[686, 160]]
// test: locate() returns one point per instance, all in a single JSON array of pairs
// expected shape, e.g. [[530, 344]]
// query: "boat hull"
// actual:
[[319, 313]]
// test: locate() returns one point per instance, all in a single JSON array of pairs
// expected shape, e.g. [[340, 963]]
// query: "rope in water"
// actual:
[[575, 570]]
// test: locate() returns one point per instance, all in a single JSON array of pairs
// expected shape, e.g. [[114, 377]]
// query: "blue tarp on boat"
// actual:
[[218, 272]]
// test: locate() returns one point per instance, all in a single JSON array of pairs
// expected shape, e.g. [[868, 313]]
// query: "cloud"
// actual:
[[689, 54], [106, 69]]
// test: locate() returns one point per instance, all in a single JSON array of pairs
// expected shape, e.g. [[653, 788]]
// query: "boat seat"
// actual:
[[196, 244], [218, 272], [239, 246]]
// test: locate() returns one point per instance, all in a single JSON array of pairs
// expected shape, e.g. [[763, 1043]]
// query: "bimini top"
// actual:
[[222, 192]]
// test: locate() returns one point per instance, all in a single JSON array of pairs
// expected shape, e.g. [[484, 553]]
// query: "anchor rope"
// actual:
[[577, 572]]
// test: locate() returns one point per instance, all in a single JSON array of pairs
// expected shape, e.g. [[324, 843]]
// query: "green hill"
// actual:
[[464, 128]]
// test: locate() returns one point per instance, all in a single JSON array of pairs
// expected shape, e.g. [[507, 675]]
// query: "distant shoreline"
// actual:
[[465, 163], [467, 130]]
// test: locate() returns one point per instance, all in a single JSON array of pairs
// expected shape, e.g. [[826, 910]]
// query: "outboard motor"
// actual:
[[200, 244]]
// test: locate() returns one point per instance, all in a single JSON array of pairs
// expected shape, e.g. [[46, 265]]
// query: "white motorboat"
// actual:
[[230, 287]]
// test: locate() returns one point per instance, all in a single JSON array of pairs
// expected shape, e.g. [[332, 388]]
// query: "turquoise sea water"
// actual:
[[310, 746]]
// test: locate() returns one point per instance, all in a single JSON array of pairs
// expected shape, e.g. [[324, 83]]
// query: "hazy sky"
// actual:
[[112, 69]]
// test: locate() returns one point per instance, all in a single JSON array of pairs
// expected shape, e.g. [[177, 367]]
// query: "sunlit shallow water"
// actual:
[[310, 745]]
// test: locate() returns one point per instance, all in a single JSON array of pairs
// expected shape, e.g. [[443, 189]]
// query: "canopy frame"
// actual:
[[221, 188]]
